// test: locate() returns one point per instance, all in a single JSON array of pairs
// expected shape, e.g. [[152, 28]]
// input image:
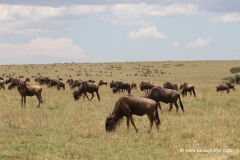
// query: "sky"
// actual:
[[93, 31]]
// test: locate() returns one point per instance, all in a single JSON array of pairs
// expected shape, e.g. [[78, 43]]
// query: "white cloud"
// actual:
[[229, 17], [176, 44], [200, 42], [145, 33], [136, 12], [45, 48], [28, 20]]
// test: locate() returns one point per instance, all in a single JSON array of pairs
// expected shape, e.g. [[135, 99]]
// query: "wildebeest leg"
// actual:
[[176, 105], [85, 95], [150, 117], [22, 101], [39, 97], [170, 107], [160, 107], [131, 118], [98, 95], [194, 93]]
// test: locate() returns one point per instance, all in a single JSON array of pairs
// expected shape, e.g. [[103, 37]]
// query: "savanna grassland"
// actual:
[[63, 128]]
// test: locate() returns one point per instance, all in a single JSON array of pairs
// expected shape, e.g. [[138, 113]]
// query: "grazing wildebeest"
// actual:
[[29, 90], [165, 95], [102, 82], [113, 84], [231, 86], [52, 83], [186, 87], [133, 85], [145, 86], [130, 105], [84, 88], [170, 85], [76, 83], [222, 87], [14, 82], [121, 86], [43, 80]]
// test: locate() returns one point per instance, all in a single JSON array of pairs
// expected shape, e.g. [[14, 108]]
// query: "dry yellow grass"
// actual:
[[66, 129]]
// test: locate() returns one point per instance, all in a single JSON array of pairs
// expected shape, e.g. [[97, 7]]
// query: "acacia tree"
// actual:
[[235, 70]]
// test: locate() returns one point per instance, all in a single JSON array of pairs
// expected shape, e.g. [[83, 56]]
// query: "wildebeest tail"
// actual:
[[181, 105], [157, 116]]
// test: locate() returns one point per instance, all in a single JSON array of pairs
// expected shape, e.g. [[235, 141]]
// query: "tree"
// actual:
[[235, 70]]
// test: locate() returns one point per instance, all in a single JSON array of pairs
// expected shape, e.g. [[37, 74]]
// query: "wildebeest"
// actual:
[[102, 82], [165, 95], [70, 82], [133, 85], [121, 86], [52, 83], [76, 83], [186, 87], [29, 90], [14, 82], [222, 87], [113, 84], [2, 84], [170, 85], [231, 86], [60, 85], [84, 88], [145, 86], [130, 105]]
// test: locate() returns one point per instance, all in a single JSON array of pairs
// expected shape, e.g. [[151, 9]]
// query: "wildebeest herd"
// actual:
[[126, 105]]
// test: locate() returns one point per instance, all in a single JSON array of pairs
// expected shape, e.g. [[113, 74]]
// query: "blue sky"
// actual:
[[40, 32]]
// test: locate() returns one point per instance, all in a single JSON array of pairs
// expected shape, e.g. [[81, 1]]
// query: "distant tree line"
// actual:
[[235, 78]]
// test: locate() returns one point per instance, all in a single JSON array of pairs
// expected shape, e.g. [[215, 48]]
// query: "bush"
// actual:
[[233, 79], [229, 80]]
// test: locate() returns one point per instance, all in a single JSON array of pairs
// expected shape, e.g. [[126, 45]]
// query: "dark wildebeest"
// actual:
[[133, 85], [186, 87], [14, 82], [130, 105], [52, 83], [113, 84], [90, 80], [70, 82], [84, 88], [145, 86], [29, 90], [121, 86], [222, 87], [170, 85], [165, 95], [76, 83], [60, 85], [231, 86], [102, 82], [43, 80]]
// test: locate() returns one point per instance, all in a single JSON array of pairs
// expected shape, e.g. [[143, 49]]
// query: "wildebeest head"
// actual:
[[109, 124], [76, 95], [22, 88]]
